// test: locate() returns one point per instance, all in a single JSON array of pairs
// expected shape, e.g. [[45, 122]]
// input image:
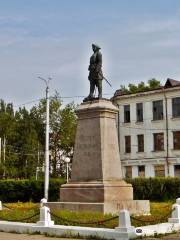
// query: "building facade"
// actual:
[[149, 131]]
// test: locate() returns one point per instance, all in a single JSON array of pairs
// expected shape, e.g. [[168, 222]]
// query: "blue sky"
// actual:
[[140, 40]]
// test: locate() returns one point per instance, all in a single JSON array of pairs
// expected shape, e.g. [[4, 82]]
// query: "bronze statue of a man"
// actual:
[[95, 73]]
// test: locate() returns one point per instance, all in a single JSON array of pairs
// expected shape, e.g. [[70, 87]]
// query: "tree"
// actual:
[[62, 137], [124, 89], [7, 125], [23, 133], [62, 130], [25, 144], [153, 83], [133, 88], [141, 87]]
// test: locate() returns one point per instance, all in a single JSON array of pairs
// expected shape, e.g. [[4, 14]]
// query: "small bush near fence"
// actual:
[[28, 190], [156, 189]]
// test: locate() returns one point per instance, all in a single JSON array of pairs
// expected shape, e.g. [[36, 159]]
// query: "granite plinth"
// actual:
[[96, 153], [96, 191]]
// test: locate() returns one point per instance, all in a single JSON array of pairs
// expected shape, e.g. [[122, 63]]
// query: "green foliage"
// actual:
[[158, 189], [67, 128], [62, 131], [133, 88], [153, 83], [155, 189], [124, 89], [141, 87], [28, 190], [23, 138]]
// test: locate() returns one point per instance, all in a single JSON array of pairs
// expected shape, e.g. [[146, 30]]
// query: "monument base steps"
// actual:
[[97, 191], [140, 207]]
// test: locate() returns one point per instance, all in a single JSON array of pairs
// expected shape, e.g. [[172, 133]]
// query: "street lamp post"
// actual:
[[67, 161], [46, 175]]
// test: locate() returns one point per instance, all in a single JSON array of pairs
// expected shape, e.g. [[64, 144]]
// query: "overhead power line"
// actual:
[[51, 97]]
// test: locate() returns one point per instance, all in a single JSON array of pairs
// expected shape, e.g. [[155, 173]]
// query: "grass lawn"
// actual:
[[23, 212]]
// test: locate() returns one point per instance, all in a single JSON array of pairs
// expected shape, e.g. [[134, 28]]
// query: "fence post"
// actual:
[[178, 201], [43, 200], [125, 224], [45, 217], [175, 217], [0, 206]]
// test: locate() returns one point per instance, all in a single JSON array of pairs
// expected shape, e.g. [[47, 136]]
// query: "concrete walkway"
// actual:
[[14, 236]]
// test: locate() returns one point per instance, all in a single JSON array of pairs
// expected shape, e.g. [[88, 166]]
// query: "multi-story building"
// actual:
[[149, 131]]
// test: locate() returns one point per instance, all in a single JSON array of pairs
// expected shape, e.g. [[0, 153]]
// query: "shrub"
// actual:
[[155, 189], [28, 190]]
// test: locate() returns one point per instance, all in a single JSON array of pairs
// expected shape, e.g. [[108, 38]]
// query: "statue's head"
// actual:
[[95, 47]]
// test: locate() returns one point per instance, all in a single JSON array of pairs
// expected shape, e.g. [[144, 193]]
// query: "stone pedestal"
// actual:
[[96, 180]]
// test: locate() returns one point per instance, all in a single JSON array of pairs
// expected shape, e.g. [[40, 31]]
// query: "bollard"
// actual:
[[43, 200], [178, 201], [45, 217], [0, 206], [125, 224], [175, 217]]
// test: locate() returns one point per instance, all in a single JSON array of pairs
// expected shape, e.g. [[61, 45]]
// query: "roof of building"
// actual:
[[170, 83]]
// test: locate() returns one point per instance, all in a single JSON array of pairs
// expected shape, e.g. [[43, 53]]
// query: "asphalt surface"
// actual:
[[16, 236]]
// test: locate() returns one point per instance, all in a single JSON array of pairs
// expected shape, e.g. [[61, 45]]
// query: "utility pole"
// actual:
[[46, 175], [4, 154], [37, 167], [4, 151], [167, 134], [67, 161], [0, 150]]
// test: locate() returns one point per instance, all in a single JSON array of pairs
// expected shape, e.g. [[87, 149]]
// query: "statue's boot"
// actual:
[[88, 98]]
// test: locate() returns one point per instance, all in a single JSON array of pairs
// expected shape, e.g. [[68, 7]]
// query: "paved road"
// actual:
[[14, 236]]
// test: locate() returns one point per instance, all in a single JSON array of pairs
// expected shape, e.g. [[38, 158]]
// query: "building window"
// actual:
[[176, 140], [129, 172], [158, 110], [140, 143], [139, 112], [158, 141], [127, 118], [141, 171], [159, 170], [176, 107], [177, 170], [127, 144]]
